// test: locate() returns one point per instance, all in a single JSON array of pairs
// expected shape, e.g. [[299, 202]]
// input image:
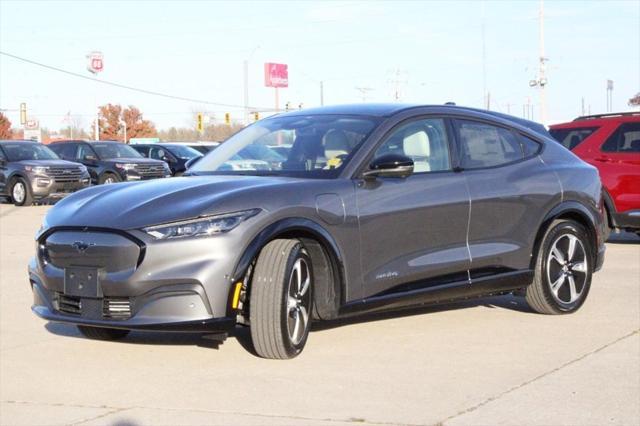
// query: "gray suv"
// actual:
[[375, 207], [30, 171]]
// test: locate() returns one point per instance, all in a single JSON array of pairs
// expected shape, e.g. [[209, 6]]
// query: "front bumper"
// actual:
[[44, 186], [139, 284]]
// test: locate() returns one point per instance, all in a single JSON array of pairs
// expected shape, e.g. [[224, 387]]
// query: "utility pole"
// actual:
[[246, 85], [363, 92], [582, 106], [321, 93], [609, 95], [541, 80], [396, 84], [484, 61]]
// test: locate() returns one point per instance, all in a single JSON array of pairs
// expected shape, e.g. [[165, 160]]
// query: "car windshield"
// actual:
[[107, 151], [28, 151], [183, 151], [320, 146], [571, 138]]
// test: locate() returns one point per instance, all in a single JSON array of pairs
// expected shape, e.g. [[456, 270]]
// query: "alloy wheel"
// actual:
[[298, 301], [567, 269], [19, 192], [109, 180]]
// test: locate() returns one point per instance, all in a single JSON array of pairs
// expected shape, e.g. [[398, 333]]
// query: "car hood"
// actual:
[[47, 163], [138, 204]]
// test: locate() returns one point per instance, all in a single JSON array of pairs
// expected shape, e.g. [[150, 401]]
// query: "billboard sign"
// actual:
[[276, 75], [95, 62]]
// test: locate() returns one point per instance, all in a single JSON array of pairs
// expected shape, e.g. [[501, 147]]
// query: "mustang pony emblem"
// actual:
[[81, 247]]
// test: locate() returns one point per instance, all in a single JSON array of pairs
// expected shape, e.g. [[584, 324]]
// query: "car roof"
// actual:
[[599, 119], [389, 109], [6, 141]]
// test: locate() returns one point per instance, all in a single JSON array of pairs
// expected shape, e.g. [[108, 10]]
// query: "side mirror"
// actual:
[[390, 165], [90, 159]]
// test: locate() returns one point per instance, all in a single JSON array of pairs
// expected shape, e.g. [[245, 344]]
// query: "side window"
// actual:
[[156, 153], [424, 141], [571, 138], [84, 150], [529, 146], [626, 139], [485, 145]]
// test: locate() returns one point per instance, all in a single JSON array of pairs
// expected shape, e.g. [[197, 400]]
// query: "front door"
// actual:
[[414, 229]]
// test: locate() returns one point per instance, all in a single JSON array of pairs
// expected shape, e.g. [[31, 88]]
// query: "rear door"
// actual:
[[619, 165], [510, 192], [414, 229]]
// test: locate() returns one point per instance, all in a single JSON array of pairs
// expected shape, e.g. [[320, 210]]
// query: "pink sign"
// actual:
[[96, 62], [276, 75]]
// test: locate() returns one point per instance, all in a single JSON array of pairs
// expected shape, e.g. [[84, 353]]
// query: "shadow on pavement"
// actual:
[[243, 334]]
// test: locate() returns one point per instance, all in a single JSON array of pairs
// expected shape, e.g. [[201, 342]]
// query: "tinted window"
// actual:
[[485, 145], [28, 151], [115, 150], [157, 153], [625, 139], [529, 146], [65, 150], [84, 152], [183, 151], [424, 141], [570, 138], [144, 150]]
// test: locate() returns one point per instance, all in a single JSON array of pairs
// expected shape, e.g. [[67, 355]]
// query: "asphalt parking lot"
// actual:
[[490, 362]]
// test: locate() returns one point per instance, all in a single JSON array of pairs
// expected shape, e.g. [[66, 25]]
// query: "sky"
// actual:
[[428, 52]]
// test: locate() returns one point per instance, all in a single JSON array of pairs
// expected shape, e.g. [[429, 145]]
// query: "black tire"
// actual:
[[99, 333], [109, 178], [574, 276], [607, 225], [27, 198], [279, 329]]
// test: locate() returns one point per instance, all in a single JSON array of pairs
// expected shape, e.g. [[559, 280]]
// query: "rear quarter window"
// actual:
[[626, 139], [571, 138]]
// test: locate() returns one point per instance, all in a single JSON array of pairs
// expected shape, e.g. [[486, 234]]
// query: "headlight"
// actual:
[[126, 166], [83, 168], [36, 169], [201, 227]]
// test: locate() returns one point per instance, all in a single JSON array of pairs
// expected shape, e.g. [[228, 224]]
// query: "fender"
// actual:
[[611, 207], [13, 176], [303, 226], [571, 207]]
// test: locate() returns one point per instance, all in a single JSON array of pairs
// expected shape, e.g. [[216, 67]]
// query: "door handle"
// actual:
[[603, 160]]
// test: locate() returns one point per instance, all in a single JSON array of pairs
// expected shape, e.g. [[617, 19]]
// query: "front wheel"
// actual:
[[563, 270], [21, 193], [109, 178], [281, 301]]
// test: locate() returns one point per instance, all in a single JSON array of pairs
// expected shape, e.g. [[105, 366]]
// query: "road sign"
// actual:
[[95, 62], [23, 113], [32, 124], [276, 75], [135, 141], [200, 122]]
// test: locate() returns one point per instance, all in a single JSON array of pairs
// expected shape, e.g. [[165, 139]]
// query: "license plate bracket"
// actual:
[[82, 282]]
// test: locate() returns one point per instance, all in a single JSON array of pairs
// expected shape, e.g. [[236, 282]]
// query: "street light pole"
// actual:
[[246, 85]]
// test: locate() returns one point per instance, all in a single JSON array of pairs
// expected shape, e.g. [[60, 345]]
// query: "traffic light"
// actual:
[[200, 122], [227, 118], [287, 106], [256, 116], [23, 113]]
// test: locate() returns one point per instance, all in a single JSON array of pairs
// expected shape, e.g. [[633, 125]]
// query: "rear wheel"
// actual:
[[99, 333], [21, 193], [281, 300], [563, 270]]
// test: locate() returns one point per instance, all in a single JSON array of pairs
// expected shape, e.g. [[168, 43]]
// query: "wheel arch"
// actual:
[[572, 210], [610, 207], [329, 280]]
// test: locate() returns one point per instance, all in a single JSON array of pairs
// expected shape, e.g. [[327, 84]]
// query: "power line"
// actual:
[[123, 86]]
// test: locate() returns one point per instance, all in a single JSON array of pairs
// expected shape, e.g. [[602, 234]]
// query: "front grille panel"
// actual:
[[65, 174], [69, 304], [119, 308], [150, 170]]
